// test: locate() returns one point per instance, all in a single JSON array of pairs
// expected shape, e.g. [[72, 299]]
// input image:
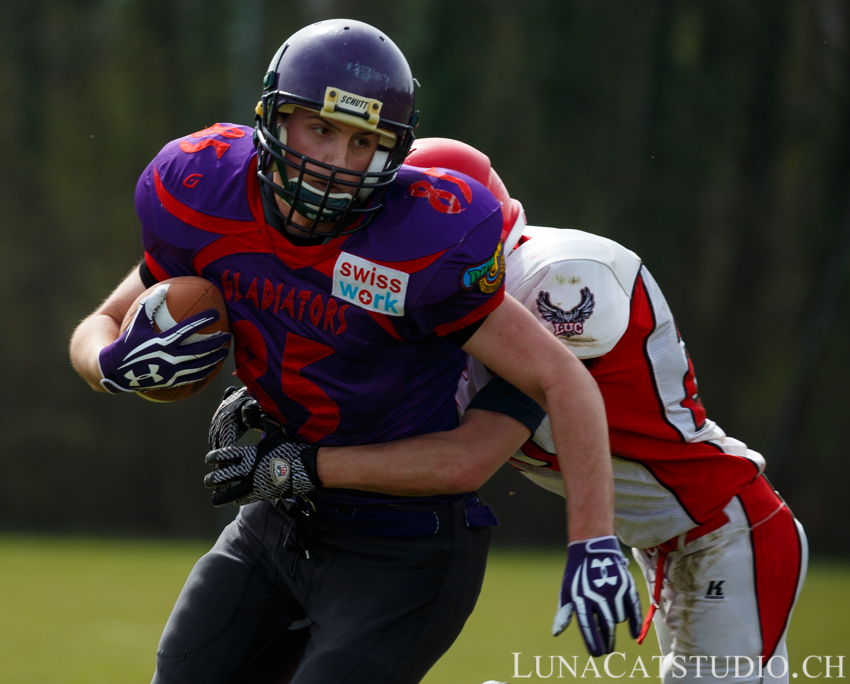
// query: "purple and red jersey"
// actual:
[[342, 342]]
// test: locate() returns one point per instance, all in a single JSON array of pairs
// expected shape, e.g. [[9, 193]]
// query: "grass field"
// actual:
[[80, 611]]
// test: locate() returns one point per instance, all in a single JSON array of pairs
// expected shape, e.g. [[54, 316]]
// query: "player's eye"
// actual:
[[363, 142]]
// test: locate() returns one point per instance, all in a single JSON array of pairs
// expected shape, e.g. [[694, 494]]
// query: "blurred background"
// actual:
[[712, 138]]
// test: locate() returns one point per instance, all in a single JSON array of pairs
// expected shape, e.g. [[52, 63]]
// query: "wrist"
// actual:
[[104, 382], [582, 526], [592, 540], [310, 459], [581, 548]]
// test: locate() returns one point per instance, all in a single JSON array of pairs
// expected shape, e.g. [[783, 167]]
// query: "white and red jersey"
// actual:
[[674, 469]]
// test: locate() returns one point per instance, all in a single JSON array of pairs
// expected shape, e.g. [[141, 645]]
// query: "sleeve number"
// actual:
[[442, 200]]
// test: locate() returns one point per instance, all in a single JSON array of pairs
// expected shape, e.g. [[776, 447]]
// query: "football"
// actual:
[[187, 296]]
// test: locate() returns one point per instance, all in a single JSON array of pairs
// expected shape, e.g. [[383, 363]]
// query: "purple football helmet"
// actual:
[[350, 72]]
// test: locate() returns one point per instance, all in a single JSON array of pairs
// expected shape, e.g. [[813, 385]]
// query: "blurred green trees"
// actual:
[[711, 138]]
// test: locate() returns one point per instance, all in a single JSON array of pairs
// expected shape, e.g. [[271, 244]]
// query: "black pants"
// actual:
[[377, 609]]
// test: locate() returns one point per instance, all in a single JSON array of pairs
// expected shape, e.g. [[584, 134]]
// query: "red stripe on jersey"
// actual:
[[476, 314], [305, 256], [324, 412], [777, 560], [625, 377], [385, 323], [237, 236], [211, 224], [327, 266], [700, 475], [413, 265], [691, 401], [155, 269], [320, 257], [647, 313], [228, 245]]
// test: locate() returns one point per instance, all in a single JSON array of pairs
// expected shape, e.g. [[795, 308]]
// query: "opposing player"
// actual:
[[354, 286], [723, 557]]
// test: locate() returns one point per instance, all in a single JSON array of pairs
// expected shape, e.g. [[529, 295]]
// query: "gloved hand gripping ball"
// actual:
[[173, 341]]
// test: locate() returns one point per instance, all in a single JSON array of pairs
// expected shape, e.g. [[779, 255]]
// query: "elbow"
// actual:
[[468, 475], [451, 477]]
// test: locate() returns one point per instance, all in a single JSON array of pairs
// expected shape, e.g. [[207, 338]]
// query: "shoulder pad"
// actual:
[[427, 211], [206, 170], [578, 285]]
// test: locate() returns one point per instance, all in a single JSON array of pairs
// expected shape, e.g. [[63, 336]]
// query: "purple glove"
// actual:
[[601, 591], [143, 359]]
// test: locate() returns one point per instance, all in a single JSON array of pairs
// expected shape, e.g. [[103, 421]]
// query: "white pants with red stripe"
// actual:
[[727, 597]]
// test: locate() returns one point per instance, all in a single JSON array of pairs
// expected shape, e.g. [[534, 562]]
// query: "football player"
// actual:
[[354, 286], [723, 557]]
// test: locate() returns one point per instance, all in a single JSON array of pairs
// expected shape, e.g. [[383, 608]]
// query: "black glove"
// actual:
[[276, 468], [237, 413]]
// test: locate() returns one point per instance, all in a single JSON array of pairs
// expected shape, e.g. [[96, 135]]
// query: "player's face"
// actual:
[[330, 142]]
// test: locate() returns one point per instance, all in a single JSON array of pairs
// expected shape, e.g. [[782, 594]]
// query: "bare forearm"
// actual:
[[580, 434], [393, 467], [515, 346], [101, 328], [460, 460], [94, 333]]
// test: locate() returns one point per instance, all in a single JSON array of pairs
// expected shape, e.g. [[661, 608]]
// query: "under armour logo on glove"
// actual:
[[135, 380], [599, 589], [144, 359], [603, 567]]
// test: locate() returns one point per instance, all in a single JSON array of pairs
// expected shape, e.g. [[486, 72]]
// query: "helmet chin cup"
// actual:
[[309, 201]]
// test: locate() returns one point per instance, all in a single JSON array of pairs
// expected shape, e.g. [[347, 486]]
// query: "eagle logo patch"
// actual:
[[566, 323]]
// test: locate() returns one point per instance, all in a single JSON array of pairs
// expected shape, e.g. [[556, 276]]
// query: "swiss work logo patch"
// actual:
[[566, 323], [369, 285], [488, 275]]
